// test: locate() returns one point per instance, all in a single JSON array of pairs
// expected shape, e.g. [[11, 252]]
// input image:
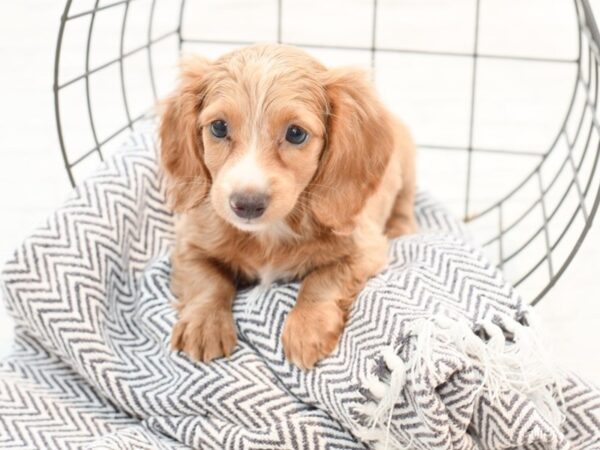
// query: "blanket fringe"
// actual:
[[510, 355]]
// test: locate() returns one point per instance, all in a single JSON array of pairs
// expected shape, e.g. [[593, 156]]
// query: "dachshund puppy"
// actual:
[[279, 168]]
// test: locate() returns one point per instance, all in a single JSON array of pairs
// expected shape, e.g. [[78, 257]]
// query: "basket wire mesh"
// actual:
[[558, 197]]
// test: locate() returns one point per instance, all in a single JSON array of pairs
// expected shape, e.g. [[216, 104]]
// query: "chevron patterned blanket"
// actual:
[[439, 352]]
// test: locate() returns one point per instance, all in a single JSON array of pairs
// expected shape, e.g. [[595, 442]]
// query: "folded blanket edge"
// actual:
[[508, 352]]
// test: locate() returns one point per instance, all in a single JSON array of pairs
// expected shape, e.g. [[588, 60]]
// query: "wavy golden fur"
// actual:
[[333, 200]]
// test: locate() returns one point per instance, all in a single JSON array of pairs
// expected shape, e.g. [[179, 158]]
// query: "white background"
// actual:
[[33, 181]]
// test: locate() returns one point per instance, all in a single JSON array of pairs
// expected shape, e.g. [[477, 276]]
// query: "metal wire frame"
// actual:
[[583, 188], [85, 77]]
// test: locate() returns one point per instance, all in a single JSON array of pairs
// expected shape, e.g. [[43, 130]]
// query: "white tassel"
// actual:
[[390, 393], [392, 360], [366, 409], [468, 343], [423, 332], [521, 365], [397, 382], [387, 396], [537, 376], [377, 387]]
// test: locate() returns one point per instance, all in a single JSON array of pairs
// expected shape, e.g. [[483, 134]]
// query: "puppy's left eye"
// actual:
[[295, 135], [218, 128]]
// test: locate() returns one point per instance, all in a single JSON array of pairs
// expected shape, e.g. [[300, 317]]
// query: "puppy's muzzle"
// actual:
[[248, 205]]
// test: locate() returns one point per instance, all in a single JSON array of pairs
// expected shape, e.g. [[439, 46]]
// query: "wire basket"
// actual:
[[530, 204]]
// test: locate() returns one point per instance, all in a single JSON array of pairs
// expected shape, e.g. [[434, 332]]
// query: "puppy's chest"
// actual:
[[266, 270], [266, 266], [267, 275], [257, 260]]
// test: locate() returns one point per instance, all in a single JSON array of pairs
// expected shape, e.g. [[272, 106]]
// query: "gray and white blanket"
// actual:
[[439, 351]]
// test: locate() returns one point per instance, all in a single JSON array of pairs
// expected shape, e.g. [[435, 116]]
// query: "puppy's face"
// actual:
[[262, 134], [254, 130]]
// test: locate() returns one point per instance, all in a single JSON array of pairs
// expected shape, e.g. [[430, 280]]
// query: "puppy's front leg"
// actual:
[[205, 329], [313, 327]]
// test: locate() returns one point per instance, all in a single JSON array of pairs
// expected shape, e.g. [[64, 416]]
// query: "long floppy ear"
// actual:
[[182, 152], [360, 140]]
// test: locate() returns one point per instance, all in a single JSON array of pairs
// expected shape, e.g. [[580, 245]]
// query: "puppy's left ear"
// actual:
[[360, 140]]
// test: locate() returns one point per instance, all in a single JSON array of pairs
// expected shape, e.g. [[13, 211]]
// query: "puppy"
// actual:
[[279, 168]]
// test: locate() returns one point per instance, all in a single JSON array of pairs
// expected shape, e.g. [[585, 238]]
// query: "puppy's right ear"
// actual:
[[181, 149]]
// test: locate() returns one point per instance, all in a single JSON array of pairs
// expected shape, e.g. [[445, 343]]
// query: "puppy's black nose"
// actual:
[[248, 205]]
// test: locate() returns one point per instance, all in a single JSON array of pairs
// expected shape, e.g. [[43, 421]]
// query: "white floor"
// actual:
[[33, 181]]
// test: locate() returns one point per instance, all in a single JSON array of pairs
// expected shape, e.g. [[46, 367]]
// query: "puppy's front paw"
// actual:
[[311, 332], [204, 333]]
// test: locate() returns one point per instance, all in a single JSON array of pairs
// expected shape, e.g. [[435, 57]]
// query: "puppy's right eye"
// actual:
[[218, 128]]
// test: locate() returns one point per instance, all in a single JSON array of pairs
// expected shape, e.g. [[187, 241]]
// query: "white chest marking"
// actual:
[[268, 275]]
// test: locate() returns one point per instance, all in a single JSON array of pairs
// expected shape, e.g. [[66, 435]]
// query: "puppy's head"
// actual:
[[267, 130]]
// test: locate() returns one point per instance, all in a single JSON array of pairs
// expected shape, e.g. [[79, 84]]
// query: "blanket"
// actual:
[[439, 351]]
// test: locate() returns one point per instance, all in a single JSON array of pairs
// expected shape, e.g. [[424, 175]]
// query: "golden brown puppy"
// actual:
[[279, 168]]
